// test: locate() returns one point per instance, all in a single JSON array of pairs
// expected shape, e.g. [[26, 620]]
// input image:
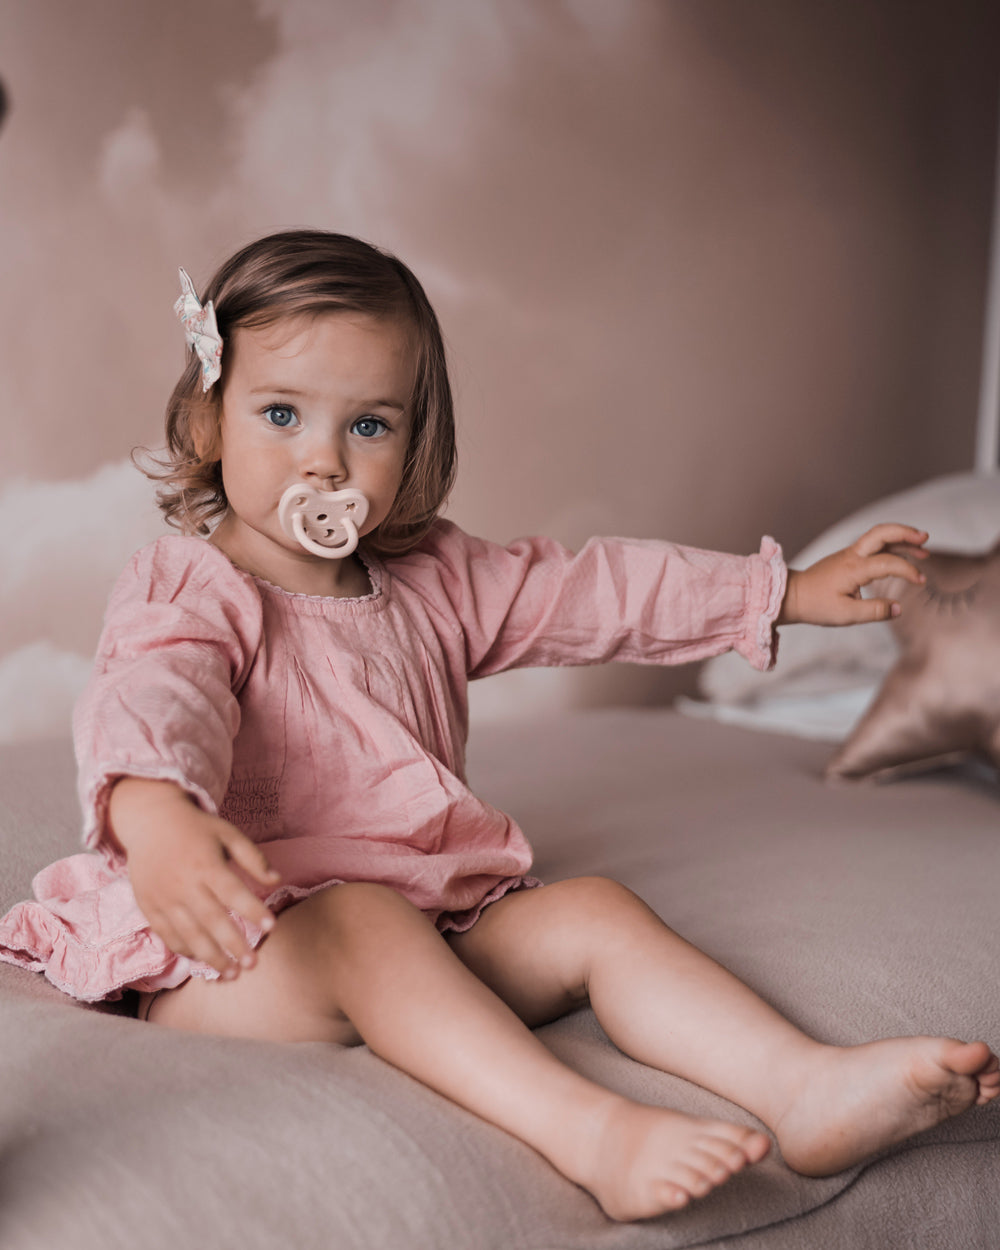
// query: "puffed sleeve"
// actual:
[[534, 603], [181, 630]]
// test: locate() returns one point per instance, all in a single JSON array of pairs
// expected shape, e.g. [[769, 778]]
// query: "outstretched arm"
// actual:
[[829, 591]]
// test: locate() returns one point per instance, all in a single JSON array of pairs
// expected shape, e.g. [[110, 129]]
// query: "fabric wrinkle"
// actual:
[[332, 731]]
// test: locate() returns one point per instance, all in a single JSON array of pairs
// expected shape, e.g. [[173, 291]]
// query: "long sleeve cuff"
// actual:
[[768, 582]]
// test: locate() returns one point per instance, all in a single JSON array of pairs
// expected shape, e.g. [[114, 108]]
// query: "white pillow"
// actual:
[[961, 512]]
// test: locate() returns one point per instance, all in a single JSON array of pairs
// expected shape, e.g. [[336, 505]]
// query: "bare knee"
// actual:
[[297, 990], [597, 919], [550, 938], [598, 899], [358, 911]]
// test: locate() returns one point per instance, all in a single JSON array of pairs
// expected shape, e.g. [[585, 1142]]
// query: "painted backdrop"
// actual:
[[706, 269]]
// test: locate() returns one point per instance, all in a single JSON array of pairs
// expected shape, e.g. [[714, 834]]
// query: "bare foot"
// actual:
[[856, 1101], [645, 1161]]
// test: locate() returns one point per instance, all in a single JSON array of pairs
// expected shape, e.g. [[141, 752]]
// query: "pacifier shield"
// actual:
[[324, 522]]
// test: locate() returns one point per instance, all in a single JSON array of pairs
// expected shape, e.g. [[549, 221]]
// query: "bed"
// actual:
[[859, 911]]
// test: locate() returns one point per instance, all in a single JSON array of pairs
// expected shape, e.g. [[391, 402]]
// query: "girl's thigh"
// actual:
[[289, 996], [534, 948]]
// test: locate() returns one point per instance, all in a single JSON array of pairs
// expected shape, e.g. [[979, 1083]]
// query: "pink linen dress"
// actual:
[[332, 731]]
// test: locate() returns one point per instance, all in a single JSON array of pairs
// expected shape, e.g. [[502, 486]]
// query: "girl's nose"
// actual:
[[322, 463]]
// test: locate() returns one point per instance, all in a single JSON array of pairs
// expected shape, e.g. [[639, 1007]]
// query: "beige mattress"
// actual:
[[859, 911]]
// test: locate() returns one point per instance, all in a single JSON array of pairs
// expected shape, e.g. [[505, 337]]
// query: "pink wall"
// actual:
[[706, 268]]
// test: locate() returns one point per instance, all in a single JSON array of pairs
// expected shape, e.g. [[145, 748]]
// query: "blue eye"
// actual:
[[280, 416], [369, 427]]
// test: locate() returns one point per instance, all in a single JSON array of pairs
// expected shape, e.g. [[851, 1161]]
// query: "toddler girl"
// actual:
[[271, 757]]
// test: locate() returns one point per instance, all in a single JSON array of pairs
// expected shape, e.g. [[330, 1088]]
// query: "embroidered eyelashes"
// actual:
[[200, 331], [952, 601]]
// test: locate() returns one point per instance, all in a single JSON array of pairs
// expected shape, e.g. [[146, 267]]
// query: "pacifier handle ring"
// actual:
[[328, 553]]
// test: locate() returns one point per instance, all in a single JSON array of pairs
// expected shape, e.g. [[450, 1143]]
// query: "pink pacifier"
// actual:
[[325, 522]]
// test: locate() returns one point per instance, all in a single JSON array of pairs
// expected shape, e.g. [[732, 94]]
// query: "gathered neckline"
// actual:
[[373, 570]]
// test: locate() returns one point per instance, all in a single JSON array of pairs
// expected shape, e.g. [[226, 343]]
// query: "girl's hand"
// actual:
[[179, 866], [829, 591]]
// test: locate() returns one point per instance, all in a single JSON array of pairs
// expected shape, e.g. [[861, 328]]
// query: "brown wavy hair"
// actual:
[[307, 273]]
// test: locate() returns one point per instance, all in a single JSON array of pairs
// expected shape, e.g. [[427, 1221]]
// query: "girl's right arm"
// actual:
[[179, 863], [154, 733]]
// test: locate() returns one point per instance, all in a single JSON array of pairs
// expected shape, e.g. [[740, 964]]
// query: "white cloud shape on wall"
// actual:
[[129, 156], [39, 684], [388, 82], [71, 540]]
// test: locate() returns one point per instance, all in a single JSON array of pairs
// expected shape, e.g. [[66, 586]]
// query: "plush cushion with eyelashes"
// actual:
[[941, 701], [961, 512]]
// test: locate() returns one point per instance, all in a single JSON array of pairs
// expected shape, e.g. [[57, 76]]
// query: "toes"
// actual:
[[756, 1147], [724, 1154], [991, 1073], [977, 1062], [676, 1160], [711, 1162], [970, 1058], [989, 1083], [738, 1146], [716, 1165], [673, 1197], [692, 1180]]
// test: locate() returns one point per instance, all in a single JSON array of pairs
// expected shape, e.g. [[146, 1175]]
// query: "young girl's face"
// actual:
[[320, 401]]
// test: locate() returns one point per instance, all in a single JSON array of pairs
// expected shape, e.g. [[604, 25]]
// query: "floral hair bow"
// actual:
[[200, 331]]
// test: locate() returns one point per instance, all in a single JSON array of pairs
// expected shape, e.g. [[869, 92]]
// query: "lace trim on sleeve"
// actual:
[[767, 634]]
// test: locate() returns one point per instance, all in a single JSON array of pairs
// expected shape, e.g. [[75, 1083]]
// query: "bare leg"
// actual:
[[358, 961], [667, 1004]]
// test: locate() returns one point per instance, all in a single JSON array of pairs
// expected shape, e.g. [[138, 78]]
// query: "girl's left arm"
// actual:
[[829, 591], [536, 604]]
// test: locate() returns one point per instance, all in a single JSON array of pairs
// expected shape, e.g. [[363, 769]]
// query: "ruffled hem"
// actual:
[[89, 938], [33, 938], [461, 921]]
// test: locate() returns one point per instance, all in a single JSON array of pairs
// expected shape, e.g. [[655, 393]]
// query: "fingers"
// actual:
[[233, 896], [211, 939], [193, 880], [880, 536], [853, 610], [206, 932], [202, 925], [878, 563], [864, 611], [829, 591], [248, 855], [887, 565]]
